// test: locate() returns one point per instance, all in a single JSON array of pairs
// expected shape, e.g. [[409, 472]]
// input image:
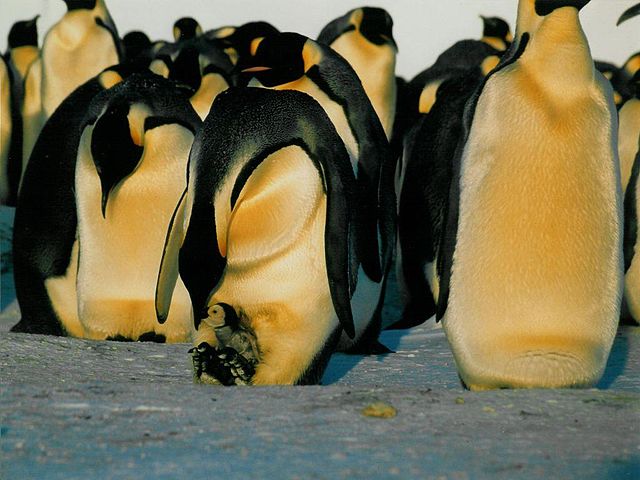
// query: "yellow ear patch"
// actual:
[[109, 78], [255, 43], [356, 17], [489, 64], [428, 96], [311, 54], [176, 33], [159, 68], [632, 65], [138, 113]]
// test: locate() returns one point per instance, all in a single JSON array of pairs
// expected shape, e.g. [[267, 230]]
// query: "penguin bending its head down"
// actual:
[[45, 227], [78, 47], [130, 173], [267, 226], [532, 269], [239, 42], [364, 37], [289, 61]]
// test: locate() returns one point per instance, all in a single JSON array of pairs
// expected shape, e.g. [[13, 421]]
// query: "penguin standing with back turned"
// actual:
[[532, 268], [78, 47]]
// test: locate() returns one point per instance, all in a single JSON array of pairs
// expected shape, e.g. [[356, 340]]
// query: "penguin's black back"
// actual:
[[45, 222]]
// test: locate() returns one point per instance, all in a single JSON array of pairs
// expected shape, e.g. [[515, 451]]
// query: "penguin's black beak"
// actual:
[[629, 14], [114, 152], [255, 69]]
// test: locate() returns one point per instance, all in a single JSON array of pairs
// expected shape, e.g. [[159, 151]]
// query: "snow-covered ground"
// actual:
[[82, 409]]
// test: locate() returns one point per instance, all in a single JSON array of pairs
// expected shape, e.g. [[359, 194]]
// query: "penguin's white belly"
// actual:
[[120, 253], [276, 269], [536, 278]]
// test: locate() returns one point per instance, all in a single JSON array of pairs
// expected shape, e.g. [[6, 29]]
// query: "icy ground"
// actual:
[[80, 409]]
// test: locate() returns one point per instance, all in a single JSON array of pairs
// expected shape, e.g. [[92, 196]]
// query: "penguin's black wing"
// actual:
[[449, 235], [629, 14], [338, 80], [631, 215], [335, 29], [430, 152], [45, 222], [14, 164], [244, 127]]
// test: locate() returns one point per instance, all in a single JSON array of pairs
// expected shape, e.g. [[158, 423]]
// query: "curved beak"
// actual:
[[629, 14]]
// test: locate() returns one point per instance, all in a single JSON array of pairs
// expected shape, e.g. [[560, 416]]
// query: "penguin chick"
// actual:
[[232, 331]]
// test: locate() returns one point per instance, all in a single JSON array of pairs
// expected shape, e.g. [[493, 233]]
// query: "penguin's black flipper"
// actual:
[[335, 29], [374, 151], [631, 215], [629, 14]]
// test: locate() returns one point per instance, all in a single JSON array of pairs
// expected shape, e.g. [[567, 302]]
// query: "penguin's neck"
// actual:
[[559, 55], [22, 57]]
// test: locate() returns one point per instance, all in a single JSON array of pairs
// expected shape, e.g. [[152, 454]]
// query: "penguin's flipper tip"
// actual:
[[629, 14]]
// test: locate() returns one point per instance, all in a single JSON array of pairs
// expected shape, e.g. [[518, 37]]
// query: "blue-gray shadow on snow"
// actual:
[[342, 363], [617, 361]]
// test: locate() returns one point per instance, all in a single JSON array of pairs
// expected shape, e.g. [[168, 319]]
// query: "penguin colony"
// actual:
[[247, 190]]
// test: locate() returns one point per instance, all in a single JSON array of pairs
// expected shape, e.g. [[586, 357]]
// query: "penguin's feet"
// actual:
[[220, 366]]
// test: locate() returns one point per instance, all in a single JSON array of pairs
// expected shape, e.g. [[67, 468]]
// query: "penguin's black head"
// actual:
[[244, 37], [135, 43], [377, 26], [186, 28], [80, 4], [24, 33], [224, 315], [545, 7], [495, 27], [278, 59]]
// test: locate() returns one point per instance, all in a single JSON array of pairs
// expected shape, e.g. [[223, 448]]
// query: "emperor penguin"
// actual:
[[23, 50], [23, 46], [266, 226], [137, 47], [130, 173], [496, 32], [632, 65], [78, 47], [629, 148], [364, 37], [532, 269], [289, 61], [45, 248]]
